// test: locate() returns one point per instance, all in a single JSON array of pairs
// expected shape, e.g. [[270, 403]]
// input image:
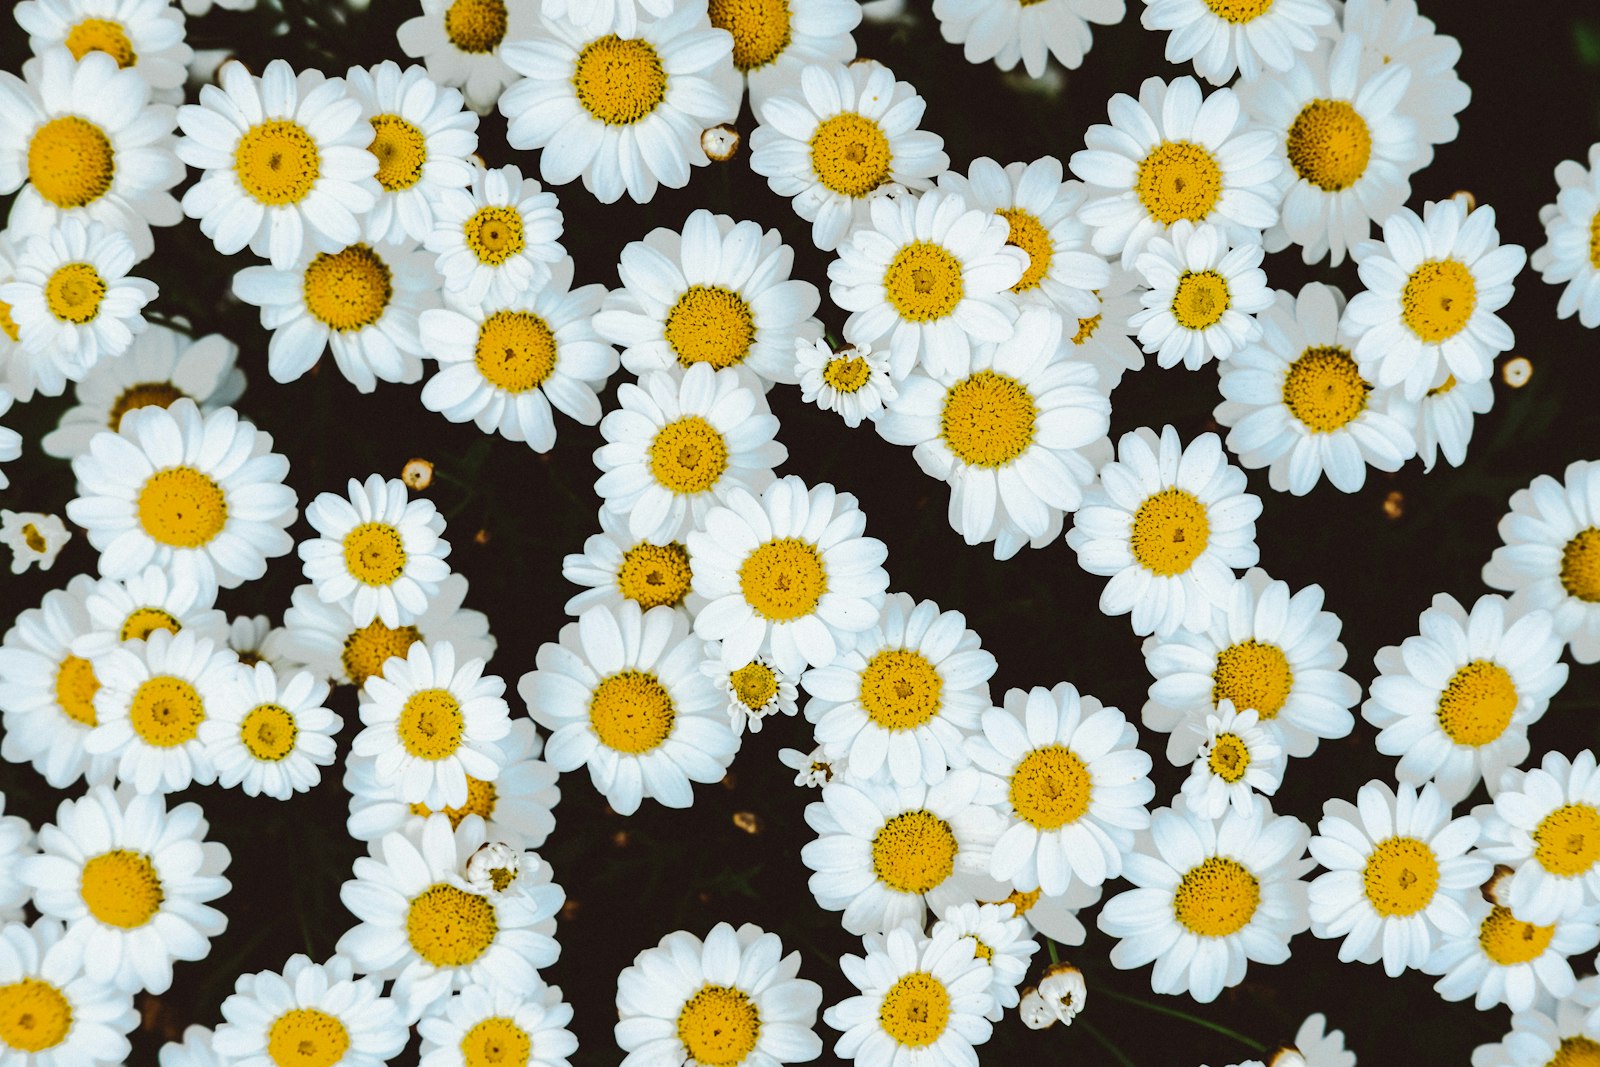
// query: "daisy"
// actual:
[[132, 609], [1000, 939], [313, 1013], [133, 882], [790, 575], [1558, 1033], [854, 381], [1105, 338], [597, 16], [1250, 36], [679, 442], [195, 1049], [1202, 298], [380, 555], [1433, 285], [1030, 33], [773, 44], [33, 537], [600, 104], [270, 734], [718, 293], [729, 1000], [1394, 33], [1168, 525], [461, 42], [1173, 154], [1444, 420], [1239, 758], [837, 139], [813, 769], [1550, 556], [497, 239], [201, 495], [16, 844], [1210, 898], [621, 692], [927, 278], [1501, 959], [614, 567], [53, 1013], [10, 440], [143, 35], [1296, 403], [1546, 825], [752, 690], [1322, 1047], [1570, 254], [481, 1023], [254, 639], [1056, 917], [1454, 702]]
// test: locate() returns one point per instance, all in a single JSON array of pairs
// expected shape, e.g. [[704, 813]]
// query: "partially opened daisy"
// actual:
[[1570, 255], [284, 163], [1250, 36], [1502, 959], [497, 239], [310, 1013], [483, 1022], [1395, 33], [615, 566], [132, 608], [270, 734], [379, 554], [773, 43], [1027, 33], [1000, 939], [731, 1000], [621, 106], [752, 691], [54, 1010], [1546, 825], [1168, 525], [32, 536], [142, 35], [853, 381], [1202, 298], [1239, 757], [461, 42]]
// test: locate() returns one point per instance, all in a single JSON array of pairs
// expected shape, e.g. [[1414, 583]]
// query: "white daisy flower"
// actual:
[[461, 43], [790, 575], [496, 240], [52, 1010], [312, 1013], [1009, 33], [1250, 36], [621, 692], [33, 537], [1546, 825], [1006, 433], [927, 278], [600, 104], [10, 440], [81, 141], [481, 1022], [1296, 403], [885, 853], [1321, 1047], [380, 555], [195, 1049], [853, 381], [1433, 285], [283, 159], [143, 35], [1395, 33], [201, 495], [836, 140], [1168, 525], [1550, 556], [1055, 917], [752, 690], [718, 293], [732, 999], [1444, 420], [774, 43], [813, 769], [1202, 298], [422, 925], [1558, 1033], [1454, 701], [1105, 338], [16, 844], [254, 639], [614, 567], [1501, 959], [1000, 939], [269, 734], [1239, 758], [679, 442], [1570, 254], [1210, 897], [132, 609], [133, 882], [160, 367], [1173, 154]]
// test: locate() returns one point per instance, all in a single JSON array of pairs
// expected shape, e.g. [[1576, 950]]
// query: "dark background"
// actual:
[[1535, 74]]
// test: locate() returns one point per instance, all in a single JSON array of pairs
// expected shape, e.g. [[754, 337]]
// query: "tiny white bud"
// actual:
[[720, 142], [1064, 990], [1036, 1014]]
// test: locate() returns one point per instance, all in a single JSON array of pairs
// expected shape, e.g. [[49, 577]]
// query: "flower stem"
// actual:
[[1121, 1057], [1055, 956], [1161, 1009]]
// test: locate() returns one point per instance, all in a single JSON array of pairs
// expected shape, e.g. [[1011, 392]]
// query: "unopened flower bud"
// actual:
[[1064, 991], [493, 867], [720, 143], [1036, 1014]]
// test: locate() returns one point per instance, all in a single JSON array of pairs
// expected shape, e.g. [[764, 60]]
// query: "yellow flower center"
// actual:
[[1324, 390], [268, 732], [142, 622], [8, 325], [652, 575], [710, 324], [850, 154], [1050, 788], [719, 1026], [1170, 530], [475, 26], [900, 689], [1200, 300], [754, 685], [1178, 180], [1443, 387], [760, 29], [1028, 234], [34, 1016], [1238, 10], [1329, 144], [1594, 241], [1438, 299], [101, 35], [307, 1037], [480, 802], [988, 419], [121, 888], [1580, 566], [401, 149], [1254, 675], [915, 1010], [71, 161], [1567, 841], [631, 712], [431, 724], [1216, 898], [449, 927], [75, 687], [1021, 903], [496, 1042], [783, 579], [166, 711], [981, 951], [374, 554], [1576, 1051], [1229, 758], [182, 507], [366, 650], [143, 395], [1400, 877], [349, 289], [846, 373], [688, 455], [1508, 941], [914, 852], [277, 162], [923, 282], [1476, 706], [516, 351], [494, 234], [1086, 329], [73, 293], [619, 80], [33, 538]]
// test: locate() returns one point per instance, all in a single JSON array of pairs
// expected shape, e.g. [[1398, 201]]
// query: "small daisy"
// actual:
[[1210, 898], [1444, 420], [201, 495], [142, 35], [730, 1000], [133, 882], [1030, 33], [834, 141], [853, 381], [496, 240], [774, 43], [33, 537], [1239, 758], [1550, 556], [621, 692], [1296, 403], [309, 1013], [254, 639], [132, 609], [680, 441], [380, 555], [16, 844], [600, 104], [614, 567], [53, 1012], [813, 769], [1433, 285], [1000, 939], [1552, 1033], [461, 42], [1250, 36], [753, 690], [1172, 155], [1394, 33], [1454, 702], [269, 734], [790, 575], [1570, 254], [1546, 825], [1105, 338], [283, 159], [482, 1023], [1203, 296], [899, 704], [718, 293], [1500, 959], [1168, 525]]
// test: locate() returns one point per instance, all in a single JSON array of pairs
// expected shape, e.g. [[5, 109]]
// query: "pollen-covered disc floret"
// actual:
[[53, 1009], [1202, 298], [497, 239], [270, 733], [1503, 959], [462, 44], [1256, 38], [310, 1014], [1546, 825], [479, 1024], [999, 938], [1239, 758], [1570, 255], [1030, 33]]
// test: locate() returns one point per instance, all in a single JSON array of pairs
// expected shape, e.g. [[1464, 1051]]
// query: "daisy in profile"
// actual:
[[854, 381], [315, 1013], [773, 43], [614, 567], [1202, 297], [1026, 33], [999, 938], [753, 690], [1174, 154], [1239, 758], [283, 159], [483, 1022], [791, 574], [54, 1010], [200, 495], [1394, 33], [1550, 556], [680, 441], [1444, 420], [133, 608], [1251, 37], [497, 239], [719, 292], [600, 105], [1168, 525], [1455, 700], [621, 691], [33, 537], [1210, 897], [1433, 285], [1501, 959], [269, 734], [379, 554], [927, 278], [730, 1000], [1556, 1032], [1295, 401], [133, 882], [142, 35], [836, 140], [462, 44], [1546, 825], [900, 702], [1104, 339], [1569, 255]]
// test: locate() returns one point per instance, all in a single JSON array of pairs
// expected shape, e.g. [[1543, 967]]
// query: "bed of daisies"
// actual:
[[831, 531]]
